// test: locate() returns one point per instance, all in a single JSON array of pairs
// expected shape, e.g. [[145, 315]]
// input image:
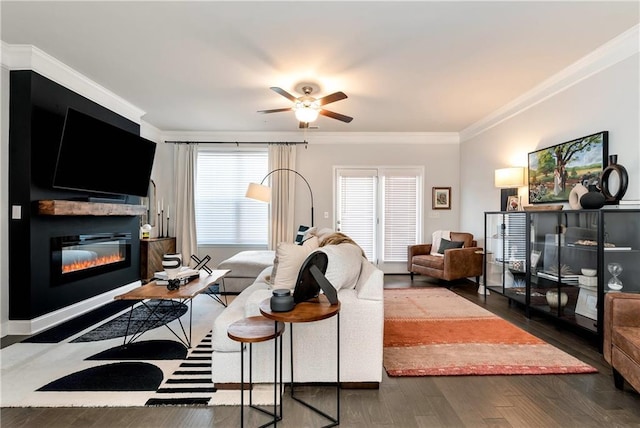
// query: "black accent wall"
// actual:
[[37, 110]]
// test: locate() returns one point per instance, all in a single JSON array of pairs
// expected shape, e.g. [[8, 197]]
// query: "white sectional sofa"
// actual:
[[361, 326]]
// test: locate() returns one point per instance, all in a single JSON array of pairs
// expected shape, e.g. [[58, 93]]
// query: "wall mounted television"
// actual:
[[98, 157], [554, 171]]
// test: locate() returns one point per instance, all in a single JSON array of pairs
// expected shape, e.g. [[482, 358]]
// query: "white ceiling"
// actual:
[[419, 66]]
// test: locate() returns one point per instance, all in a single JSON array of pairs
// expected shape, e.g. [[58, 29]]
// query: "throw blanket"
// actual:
[[436, 237]]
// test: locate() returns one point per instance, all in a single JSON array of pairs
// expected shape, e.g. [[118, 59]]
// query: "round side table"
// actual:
[[316, 309], [252, 330]]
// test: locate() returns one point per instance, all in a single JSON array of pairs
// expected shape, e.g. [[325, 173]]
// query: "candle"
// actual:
[[158, 207], [162, 204], [167, 210]]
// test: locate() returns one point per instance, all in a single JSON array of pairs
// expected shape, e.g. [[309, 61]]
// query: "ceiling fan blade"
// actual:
[[331, 98], [303, 125], [335, 115], [275, 110], [284, 93]]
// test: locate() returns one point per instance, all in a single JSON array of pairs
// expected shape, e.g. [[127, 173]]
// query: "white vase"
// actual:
[[552, 299]]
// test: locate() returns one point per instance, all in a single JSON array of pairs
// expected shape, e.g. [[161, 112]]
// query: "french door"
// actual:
[[381, 209]]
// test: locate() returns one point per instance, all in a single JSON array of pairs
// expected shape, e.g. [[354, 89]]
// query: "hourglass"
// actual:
[[615, 269]]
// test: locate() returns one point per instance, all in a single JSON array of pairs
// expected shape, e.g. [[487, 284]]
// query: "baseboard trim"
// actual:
[[36, 325]]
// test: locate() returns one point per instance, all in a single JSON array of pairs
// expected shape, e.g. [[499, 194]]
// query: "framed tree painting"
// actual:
[[441, 198], [554, 171]]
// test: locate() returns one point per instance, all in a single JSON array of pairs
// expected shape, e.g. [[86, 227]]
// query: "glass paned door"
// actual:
[[380, 208]]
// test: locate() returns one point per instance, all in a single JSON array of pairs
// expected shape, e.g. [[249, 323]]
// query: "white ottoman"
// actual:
[[245, 267]]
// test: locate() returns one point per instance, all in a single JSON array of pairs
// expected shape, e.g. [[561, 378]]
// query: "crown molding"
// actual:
[[150, 132], [316, 138], [28, 57], [618, 49]]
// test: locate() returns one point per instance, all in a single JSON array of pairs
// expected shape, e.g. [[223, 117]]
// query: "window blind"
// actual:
[[224, 216], [400, 214], [357, 208]]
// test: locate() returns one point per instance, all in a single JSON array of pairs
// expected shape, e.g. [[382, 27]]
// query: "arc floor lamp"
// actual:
[[262, 193]]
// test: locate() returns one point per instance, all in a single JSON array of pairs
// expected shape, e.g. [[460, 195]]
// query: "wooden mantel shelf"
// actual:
[[60, 207]]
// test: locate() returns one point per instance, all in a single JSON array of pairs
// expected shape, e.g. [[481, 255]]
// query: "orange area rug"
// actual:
[[435, 332]]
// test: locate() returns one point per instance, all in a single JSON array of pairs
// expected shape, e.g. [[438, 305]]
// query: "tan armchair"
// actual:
[[621, 345], [456, 263]]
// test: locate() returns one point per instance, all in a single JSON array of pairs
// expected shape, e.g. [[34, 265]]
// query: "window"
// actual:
[[224, 216], [380, 208], [356, 207], [400, 213]]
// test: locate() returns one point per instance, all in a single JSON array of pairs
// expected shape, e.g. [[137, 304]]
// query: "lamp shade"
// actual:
[[259, 192], [306, 114], [509, 177]]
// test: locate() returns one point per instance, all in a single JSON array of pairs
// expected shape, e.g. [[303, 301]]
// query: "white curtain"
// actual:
[[283, 186], [185, 162]]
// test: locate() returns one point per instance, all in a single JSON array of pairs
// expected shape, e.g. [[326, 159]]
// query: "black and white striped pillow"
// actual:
[[300, 235]]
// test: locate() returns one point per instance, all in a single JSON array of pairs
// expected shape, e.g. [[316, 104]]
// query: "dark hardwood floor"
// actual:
[[588, 400]]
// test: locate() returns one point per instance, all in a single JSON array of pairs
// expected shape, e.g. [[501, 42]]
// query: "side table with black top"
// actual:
[[316, 309], [259, 329]]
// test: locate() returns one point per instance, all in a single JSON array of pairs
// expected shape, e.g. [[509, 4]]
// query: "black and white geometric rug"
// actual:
[[92, 367]]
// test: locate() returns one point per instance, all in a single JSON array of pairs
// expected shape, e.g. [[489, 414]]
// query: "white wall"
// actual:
[[440, 162], [439, 154], [161, 174], [605, 101]]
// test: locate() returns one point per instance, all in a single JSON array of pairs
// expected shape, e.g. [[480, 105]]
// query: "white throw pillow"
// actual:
[[344, 264], [289, 258]]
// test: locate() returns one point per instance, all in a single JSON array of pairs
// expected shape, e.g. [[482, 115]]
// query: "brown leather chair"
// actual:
[[457, 263], [621, 345]]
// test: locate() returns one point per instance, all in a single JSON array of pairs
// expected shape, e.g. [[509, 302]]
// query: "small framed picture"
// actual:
[[535, 256], [587, 304], [513, 203], [441, 198]]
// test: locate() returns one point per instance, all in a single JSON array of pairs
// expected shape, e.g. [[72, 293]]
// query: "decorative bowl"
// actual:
[[589, 272]]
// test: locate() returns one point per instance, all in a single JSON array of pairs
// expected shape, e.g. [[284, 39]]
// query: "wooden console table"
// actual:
[[151, 252]]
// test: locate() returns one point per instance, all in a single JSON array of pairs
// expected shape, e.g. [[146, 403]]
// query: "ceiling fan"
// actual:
[[307, 108]]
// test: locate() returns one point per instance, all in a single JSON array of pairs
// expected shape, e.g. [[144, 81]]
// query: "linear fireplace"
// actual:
[[82, 256]]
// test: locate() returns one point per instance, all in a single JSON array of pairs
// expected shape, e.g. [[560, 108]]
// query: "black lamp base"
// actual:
[[504, 197]]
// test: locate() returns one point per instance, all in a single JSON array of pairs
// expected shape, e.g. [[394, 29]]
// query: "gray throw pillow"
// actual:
[[445, 244]]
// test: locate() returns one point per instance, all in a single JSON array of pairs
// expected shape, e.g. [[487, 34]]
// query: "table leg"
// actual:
[[334, 421], [221, 293], [275, 415], [159, 320], [337, 420], [242, 384]]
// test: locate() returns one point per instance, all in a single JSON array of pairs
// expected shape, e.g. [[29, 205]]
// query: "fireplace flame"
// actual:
[[86, 264]]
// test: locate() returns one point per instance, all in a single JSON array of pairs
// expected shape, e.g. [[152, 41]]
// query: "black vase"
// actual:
[[623, 180], [593, 199], [282, 300]]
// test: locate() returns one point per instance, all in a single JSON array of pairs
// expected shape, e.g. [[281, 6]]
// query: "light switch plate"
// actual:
[[16, 212]]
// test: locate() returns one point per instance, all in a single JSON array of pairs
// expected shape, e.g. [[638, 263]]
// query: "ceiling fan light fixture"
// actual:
[[307, 108], [306, 113]]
